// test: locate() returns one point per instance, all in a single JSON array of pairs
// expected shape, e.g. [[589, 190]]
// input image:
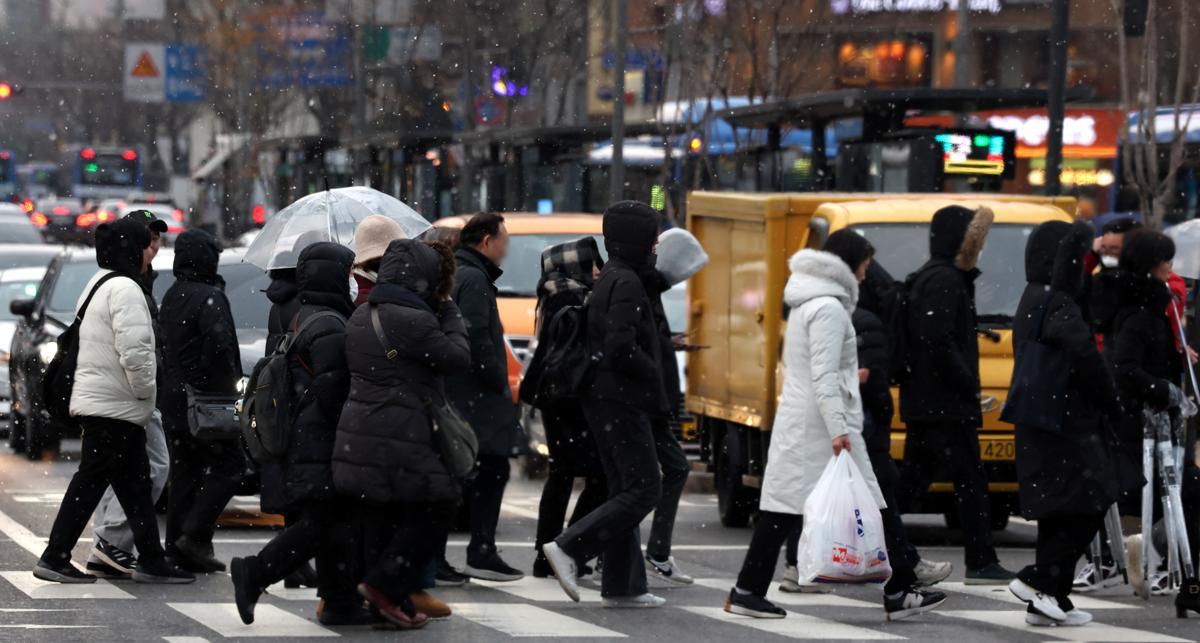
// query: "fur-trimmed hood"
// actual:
[[816, 273], [957, 233]]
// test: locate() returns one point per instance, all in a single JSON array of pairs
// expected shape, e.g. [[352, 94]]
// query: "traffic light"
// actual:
[[8, 90]]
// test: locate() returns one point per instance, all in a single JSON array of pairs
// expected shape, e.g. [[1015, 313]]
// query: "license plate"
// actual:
[[997, 449]]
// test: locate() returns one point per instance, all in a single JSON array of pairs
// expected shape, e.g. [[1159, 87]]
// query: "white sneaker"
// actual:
[[931, 572], [1043, 603], [1074, 618], [1160, 584], [668, 571], [641, 600], [791, 583], [1087, 580], [564, 569]]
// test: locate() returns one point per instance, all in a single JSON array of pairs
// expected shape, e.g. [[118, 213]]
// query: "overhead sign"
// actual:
[[145, 80], [303, 49], [184, 74], [842, 7]]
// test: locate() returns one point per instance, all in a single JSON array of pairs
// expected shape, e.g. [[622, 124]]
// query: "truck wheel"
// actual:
[[735, 502]]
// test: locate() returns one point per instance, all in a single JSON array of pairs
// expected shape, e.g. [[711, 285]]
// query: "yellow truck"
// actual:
[[736, 311]]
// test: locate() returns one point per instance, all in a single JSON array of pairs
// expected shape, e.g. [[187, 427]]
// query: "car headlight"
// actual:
[[47, 351], [241, 385]]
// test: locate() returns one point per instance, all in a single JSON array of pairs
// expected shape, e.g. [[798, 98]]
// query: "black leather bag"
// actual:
[[1038, 395], [59, 379], [213, 416]]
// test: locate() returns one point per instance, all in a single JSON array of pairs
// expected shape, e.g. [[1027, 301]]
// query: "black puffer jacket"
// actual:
[[385, 450], [318, 369], [199, 341], [283, 294], [876, 392], [943, 351], [481, 392], [656, 285], [1068, 472]]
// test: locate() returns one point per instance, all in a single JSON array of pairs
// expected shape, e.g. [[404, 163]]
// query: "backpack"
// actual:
[[899, 358], [561, 363], [266, 413], [59, 380]]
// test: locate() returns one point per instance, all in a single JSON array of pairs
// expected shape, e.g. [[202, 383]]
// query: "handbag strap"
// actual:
[[390, 353], [103, 280]]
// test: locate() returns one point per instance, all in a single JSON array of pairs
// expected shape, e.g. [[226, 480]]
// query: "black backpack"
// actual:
[[562, 362], [266, 413], [899, 363], [59, 380]]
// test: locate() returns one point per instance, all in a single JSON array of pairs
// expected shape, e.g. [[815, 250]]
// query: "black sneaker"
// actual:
[[246, 588], [64, 572], [751, 605], [911, 603], [113, 557], [992, 574], [196, 557], [101, 569], [541, 567], [447, 576], [492, 568], [161, 573], [346, 615]]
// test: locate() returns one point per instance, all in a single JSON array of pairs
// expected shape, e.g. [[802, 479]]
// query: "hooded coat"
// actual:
[[199, 337], [873, 318], [317, 363], [1067, 472], [283, 294], [942, 386], [385, 450], [115, 375], [820, 399]]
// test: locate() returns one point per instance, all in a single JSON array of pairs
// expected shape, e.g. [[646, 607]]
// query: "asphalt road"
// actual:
[[123, 611]]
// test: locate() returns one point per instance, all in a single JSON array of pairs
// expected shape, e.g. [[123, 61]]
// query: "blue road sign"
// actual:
[[184, 73]]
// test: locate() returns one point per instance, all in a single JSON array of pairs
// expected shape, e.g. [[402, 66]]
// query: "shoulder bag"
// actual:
[[1038, 395]]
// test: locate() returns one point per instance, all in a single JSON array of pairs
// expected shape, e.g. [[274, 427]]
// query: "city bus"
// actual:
[[94, 172]]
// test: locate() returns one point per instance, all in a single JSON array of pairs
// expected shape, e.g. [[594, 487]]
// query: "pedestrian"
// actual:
[[386, 455], [940, 394], [1147, 360], [113, 398], [481, 393], [371, 238], [301, 482], [200, 345], [1066, 478], [113, 549], [624, 398], [1103, 298], [569, 272]]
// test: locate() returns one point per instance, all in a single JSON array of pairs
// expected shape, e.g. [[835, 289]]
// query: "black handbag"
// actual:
[[213, 416], [1038, 395], [456, 440]]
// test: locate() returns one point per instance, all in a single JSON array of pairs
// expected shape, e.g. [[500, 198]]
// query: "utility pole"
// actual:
[[616, 189], [1059, 20], [962, 46]]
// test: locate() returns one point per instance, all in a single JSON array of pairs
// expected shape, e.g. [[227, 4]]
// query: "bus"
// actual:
[[101, 172], [37, 180]]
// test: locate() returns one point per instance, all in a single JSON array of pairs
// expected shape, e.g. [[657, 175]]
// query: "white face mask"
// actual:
[[353, 288], [1109, 261]]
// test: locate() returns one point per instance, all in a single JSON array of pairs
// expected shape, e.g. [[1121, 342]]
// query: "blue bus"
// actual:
[[101, 172]]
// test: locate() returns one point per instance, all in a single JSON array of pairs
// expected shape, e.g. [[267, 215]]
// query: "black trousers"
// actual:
[[1061, 540], [956, 445], [758, 568], [675, 469], [113, 452], [204, 476], [412, 536], [487, 494], [625, 440], [326, 531], [556, 497]]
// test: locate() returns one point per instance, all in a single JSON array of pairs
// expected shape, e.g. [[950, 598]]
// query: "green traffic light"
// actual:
[[91, 168]]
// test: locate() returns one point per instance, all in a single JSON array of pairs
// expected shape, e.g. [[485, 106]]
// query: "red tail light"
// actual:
[[87, 154], [177, 214], [259, 214], [27, 205], [60, 210], [129, 155], [86, 220], [39, 220], [104, 215]]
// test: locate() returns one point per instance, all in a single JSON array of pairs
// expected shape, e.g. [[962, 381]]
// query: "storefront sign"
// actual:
[[1087, 133], [842, 7]]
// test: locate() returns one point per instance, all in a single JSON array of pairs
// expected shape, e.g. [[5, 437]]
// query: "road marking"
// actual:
[[528, 544], [796, 626], [793, 600], [37, 609], [539, 590], [21, 535], [521, 512], [525, 621], [42, 626], [39, 589], [292, 593], [1001, 593], [269, 620], [185, 639], [1095, 632]]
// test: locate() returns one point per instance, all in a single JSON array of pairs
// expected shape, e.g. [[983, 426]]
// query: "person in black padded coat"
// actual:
[[302, 483]]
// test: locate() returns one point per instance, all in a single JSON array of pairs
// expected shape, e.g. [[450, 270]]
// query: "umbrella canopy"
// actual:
[[331, 215], [1187, 248]]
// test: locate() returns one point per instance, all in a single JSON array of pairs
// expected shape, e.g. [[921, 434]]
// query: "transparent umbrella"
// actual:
[[1187, 248], [331, 215]]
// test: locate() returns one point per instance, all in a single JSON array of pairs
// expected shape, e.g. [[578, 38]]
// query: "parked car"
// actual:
[[15, 283]]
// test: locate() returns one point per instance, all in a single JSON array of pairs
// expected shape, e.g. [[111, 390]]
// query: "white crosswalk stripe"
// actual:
[[539, 590], [523, 621], [1095, 632], [797, 626], [42, 590], [269, 620], [292, 593], [792, 600], [1001, 593]]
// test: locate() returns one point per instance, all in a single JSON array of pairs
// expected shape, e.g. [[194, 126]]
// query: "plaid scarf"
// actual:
[[567, 267]]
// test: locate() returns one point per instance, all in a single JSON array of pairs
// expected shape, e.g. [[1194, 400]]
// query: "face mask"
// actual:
[[353, 288], [1109, 261]]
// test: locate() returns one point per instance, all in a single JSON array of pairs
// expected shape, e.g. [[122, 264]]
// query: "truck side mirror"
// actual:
[[21, 307]]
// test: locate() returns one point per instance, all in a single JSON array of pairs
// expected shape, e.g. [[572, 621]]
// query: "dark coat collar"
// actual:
[[472, 257]]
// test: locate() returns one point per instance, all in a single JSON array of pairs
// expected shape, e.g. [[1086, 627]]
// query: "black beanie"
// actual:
[[947, 231], [630, 230], [119, 246]]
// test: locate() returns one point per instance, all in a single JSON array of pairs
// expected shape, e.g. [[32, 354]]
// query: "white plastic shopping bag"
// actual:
[[842, 541]]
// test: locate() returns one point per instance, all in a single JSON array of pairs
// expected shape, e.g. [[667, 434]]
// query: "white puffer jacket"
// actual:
[[820, 399], [115, 372]]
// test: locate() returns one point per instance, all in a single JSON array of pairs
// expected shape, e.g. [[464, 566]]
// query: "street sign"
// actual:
[[144, 79], [184, 74]]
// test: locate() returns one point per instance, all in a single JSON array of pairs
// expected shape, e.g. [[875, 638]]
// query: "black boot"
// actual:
[[246, 586], [1188, 598]]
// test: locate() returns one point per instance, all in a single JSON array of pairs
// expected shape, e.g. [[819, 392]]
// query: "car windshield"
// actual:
[[72, 277], [901, 248], [11, 291], [523, 267], [18, 230], [244, 286]]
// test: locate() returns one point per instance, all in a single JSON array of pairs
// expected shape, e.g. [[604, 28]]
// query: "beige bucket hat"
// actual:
[[372, 237]]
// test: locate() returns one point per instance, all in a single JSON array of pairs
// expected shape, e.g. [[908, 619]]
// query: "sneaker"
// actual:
[[791, 583], [911, 603], [564, 569], [630, 602], [246, 590], [751, 605], [1087, 580], [114, 557], [668, 571], [104, 570], [1074, 618], [1133, 563], [493, 568], [1043, 603], [64, 572], [392, 613], [161, 573], [1160, 584], [992, 574], [197, 557], [430, 605], [448, 576], [931, 572]]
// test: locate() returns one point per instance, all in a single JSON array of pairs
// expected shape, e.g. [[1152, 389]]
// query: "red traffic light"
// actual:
[[129, 155], [87, 154]]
